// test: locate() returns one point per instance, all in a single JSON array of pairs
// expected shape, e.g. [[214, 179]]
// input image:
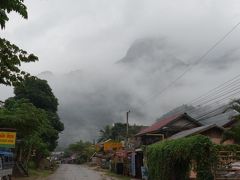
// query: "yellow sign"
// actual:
[[7, 139], [112, 146]]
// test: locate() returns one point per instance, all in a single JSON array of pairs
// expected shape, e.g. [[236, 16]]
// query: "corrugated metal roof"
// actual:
[[221, 119], [194, 131], [161, 123]]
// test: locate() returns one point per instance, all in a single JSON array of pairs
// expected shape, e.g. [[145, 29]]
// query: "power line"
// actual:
[[205, 115], [199, 119], [218, 101], [200, 59], [227, 97], [216, 90], [206, 101], [195, 110], [222, 88], [223, 108]]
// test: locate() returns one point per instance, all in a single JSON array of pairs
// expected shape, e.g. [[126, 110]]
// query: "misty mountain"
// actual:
[[89, 100], [45, 75], [151, 54], [74, 73]]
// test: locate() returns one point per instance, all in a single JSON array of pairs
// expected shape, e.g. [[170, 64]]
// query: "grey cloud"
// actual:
[[87, 38], [225, 60]]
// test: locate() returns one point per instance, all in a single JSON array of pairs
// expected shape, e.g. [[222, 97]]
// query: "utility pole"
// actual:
[[127, 122]]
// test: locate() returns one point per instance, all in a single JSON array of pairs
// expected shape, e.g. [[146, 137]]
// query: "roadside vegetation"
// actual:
[[118, 132], [32, 112], [174, 158], [35, 174], [35, 118]]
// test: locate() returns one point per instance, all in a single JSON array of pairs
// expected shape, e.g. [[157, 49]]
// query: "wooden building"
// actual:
[[166, 127]]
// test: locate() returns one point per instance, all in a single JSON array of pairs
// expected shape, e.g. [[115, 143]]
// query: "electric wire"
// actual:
[[212, 90], [200, 59]]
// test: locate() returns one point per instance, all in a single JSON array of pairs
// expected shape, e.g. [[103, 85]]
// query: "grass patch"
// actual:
[[35, 174], [39, 173], [117, 176]]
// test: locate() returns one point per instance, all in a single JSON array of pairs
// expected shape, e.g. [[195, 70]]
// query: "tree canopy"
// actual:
[[7, 6], [31, 124], [40, 94], [118, 131], [11, 56]]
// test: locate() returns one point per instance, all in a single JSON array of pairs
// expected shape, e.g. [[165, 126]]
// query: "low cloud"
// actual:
[[89, 38]]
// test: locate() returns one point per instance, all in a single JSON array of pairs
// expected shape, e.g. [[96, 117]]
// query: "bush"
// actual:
[[174, 159]]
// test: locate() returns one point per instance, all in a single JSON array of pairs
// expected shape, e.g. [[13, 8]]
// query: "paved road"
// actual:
[[75, 172]]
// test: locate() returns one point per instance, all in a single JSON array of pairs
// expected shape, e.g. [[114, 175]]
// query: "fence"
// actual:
[[228, 167]]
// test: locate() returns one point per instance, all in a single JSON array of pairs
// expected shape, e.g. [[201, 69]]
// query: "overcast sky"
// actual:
[[78, 34], [92, 35]]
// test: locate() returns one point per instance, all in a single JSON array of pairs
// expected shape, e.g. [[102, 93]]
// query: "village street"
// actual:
[[77, 172]]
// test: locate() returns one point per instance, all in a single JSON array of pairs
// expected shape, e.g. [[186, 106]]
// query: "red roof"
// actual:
[[159, 124]]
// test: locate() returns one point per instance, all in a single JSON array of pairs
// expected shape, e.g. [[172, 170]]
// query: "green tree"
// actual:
[[40, 94], [11, 56], [105, 133], [233, 133], [30, 122], [118, 132], [7, 6]]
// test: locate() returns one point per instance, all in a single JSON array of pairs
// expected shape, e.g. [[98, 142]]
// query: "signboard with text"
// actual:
[[7, 139], [111, 145]]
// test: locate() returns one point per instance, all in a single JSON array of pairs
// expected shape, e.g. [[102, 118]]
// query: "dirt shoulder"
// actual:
[[35, 175], [107, 175]]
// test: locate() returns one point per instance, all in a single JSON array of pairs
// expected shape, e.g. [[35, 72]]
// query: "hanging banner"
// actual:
[[7, 139]]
